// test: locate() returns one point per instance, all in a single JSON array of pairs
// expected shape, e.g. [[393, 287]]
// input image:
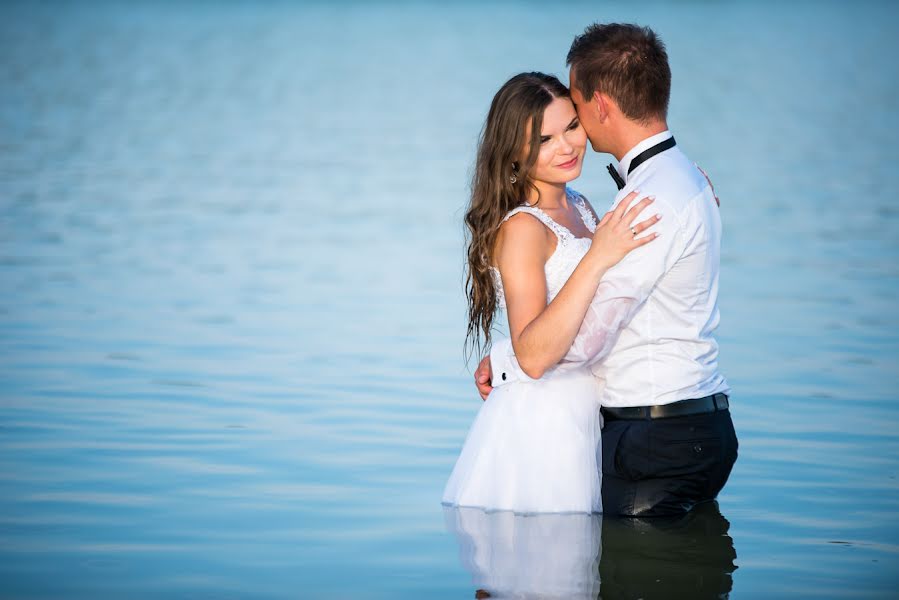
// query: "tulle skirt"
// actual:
[[534, 447]]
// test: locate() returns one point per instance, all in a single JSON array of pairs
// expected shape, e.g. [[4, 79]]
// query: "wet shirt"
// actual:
[[648, 334]]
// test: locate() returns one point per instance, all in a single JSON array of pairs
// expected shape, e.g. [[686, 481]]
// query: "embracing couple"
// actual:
[[606, 397]]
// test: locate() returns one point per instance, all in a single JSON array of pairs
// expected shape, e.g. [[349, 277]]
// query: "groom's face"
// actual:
[[586, 114]]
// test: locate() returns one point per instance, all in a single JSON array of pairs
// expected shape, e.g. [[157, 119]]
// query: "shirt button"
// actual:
[[504, 376]]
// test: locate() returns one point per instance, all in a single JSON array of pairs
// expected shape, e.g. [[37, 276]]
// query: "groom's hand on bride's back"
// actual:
[[483, 377]]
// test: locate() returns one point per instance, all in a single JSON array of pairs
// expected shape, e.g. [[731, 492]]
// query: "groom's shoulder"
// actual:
[[673, 175]]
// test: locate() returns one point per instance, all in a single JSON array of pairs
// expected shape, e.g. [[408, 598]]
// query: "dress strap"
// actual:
[[561, 232], [586, 214]]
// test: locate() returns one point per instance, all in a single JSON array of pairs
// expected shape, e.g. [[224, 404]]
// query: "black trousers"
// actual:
[[662, 467]]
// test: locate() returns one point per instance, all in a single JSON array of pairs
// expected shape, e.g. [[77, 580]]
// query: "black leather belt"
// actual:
[[681, 408]]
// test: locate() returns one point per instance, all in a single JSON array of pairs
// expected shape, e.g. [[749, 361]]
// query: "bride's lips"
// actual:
[[568, 165]]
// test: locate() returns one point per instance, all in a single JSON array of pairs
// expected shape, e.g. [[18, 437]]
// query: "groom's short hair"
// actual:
[[627, 62]]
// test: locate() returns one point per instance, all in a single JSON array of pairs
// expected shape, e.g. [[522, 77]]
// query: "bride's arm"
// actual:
[[542, 334], [622, 292]]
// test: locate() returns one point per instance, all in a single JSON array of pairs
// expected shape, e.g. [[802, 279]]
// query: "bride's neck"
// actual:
[[551, 195]]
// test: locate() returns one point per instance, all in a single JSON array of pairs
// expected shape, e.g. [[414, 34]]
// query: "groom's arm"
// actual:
[[498, 368], [626, 286], [620, 294]]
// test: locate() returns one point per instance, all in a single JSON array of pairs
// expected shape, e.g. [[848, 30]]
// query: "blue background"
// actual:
[[231, 263]]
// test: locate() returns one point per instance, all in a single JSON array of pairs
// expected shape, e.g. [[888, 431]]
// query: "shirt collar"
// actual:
[[625, 162]]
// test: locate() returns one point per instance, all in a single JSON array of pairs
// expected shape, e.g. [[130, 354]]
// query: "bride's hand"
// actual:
[[616, 235]]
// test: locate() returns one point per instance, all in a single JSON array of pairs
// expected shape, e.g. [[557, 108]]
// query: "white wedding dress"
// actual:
[[534, 446]]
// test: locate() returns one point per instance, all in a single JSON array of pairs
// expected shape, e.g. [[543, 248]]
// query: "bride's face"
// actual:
[[563, 143]]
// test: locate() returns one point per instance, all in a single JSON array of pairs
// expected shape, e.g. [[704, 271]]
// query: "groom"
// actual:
[[668, 442]]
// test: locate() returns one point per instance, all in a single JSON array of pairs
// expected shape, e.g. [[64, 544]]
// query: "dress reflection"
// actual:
[[585, 556], [528, 556]]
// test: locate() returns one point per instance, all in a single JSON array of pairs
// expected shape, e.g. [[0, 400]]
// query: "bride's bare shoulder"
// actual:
[[523, 235]]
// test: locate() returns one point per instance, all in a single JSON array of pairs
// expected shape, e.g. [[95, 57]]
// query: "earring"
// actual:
[[513, 179]]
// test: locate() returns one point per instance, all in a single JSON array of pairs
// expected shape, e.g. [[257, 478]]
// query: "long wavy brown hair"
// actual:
[[501, 182]]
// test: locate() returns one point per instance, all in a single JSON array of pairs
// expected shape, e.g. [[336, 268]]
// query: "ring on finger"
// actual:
[[634, 231]]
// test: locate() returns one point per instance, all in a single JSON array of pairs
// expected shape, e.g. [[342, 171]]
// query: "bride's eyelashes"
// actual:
[[571, 126]]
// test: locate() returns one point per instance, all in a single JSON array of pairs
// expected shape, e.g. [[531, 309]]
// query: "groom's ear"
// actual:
[[601, 104]]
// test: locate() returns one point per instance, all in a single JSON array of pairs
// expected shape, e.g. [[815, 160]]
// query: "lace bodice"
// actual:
[[569, 249]]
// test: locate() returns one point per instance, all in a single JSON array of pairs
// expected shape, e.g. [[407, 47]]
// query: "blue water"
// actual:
[[231, 318]]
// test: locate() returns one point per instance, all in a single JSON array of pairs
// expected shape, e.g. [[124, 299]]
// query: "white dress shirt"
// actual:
[[648, 334]]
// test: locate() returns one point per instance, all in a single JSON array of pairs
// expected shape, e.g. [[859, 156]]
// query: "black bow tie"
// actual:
[[640, 159], [614, 173]]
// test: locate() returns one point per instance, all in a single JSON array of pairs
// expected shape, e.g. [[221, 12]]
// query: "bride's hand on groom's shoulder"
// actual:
[[617, 234]]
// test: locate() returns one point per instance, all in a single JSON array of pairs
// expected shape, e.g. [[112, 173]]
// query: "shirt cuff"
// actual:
[[503, 364]]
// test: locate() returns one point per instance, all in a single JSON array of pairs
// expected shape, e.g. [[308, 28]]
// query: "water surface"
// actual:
[[231, 317]]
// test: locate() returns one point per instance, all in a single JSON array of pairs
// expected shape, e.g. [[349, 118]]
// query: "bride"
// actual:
[[536, 250]]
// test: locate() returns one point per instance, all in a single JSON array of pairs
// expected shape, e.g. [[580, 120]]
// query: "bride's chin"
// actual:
[[571, 176]]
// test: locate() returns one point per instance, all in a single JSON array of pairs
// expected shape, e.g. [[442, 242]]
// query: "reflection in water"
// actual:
[[687, 557], [528, 556], [567, 556]]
